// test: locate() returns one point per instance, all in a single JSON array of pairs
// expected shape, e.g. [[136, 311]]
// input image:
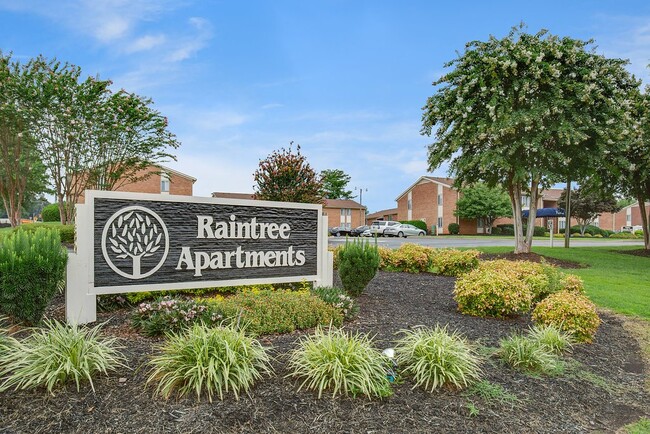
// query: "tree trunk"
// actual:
[[514, 191], [532, 213], [644, 222], [567, 214]]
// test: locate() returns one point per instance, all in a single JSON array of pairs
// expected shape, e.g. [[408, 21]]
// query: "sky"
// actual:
[[346, 80]]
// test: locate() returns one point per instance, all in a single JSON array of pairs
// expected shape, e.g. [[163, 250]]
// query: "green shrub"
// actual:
[[417, 223], [385, 258], [551, 337], [337, 298], [453, 228], [623, 235], [452, 262], [494, 289], [527, 354], [339, 362], [31, 267], [435, 357], [509, 229], [51, 213], [589, 229], [335, 251], [358, 263], [639, 233], [208, 360], [58, 353], [410, 258], [569, 311], [166, 315], [66, 232], [264, 311]]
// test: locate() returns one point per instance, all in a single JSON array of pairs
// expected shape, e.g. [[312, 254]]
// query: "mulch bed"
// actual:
[[640, 252], [393, 301]]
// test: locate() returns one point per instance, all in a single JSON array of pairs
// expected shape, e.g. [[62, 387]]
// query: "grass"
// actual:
[[642, 426], [491, 393], [612, 280]]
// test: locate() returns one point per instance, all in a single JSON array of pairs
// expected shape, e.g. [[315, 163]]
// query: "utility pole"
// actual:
[[361, 189]]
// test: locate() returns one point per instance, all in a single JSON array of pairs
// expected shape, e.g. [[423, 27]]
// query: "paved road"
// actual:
[[483, 241]]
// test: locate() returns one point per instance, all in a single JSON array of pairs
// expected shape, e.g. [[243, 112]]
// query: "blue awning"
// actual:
[[547, 212]]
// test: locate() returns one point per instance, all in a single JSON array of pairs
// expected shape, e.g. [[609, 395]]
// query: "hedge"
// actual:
[[417, 223]]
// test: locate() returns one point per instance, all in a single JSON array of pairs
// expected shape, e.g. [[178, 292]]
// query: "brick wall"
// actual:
[[358, 217]]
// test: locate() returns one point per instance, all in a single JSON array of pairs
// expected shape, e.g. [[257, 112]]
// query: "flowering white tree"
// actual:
[[525, 111]]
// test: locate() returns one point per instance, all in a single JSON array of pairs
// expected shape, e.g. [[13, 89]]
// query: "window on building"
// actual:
[[479, 223], [408, 204], [440, 222], [596, 222], [561, 223], [628, 217], [164, 183], [525, 201], [439, 199]]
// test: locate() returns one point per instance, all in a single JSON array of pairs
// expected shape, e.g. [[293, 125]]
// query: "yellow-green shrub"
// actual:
[[569, 311], [573, 283], [411, 258], [385, 257], [335, 251], [493, 290], [452, 262]]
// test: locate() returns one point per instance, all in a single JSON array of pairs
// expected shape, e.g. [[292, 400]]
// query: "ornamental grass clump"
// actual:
[[571, 312], [32, 264], [522, 352], [341, 363], [494, 289], [435, 358], [551, 337], [358, 263], [337, 298], [58, 353], [208, 361]]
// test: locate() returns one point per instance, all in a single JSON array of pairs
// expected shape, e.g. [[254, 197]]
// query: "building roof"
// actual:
[[343, 203], [552, 194], [328, 203], [382, 212], [445, 182], [177, 173]]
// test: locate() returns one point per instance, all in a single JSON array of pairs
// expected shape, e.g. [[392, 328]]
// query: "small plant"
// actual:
[[494, 289], [491, 392], [31, 267], [526, 354], [339, 299], [342, 363], [208, 360], [571, 312], [410, 258], [452, 262], [453, 228], [358, 263], [58, 353], [173, 315], [551, 337], [435, 358]]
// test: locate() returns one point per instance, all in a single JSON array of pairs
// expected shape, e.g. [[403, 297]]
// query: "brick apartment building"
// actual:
[[161, 180], [384, 214], [340, 212]]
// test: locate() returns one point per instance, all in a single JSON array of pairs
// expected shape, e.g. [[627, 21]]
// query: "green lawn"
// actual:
[[613, 280]]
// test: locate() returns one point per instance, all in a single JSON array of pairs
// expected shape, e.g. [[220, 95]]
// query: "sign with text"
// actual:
[[142, 242]]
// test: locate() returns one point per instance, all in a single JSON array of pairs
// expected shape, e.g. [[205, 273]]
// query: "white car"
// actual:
[[403, 230], [379, 227]]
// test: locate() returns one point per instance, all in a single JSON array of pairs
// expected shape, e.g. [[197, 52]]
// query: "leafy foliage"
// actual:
[[435, 357], [570, 312], [51, 213], [31, 267], [587, 204], [452, 262], [417, 223], [551, 337], [171, 315], [527, 354], [56, 354], [523, 110], [453, 228], [346, 364], [337, 298], [358, 263], [287, 177], [479, 201], [335, 182], [205, 360]]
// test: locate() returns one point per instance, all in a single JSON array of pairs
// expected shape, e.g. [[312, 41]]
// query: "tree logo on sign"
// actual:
[[135, 242]]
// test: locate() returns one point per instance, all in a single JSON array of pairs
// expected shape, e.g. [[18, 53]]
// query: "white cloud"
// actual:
[[145, 43], [190, 45]]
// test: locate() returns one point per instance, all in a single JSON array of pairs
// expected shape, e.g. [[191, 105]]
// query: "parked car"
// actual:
[[631, 228], [339, 231], [368, 233], [403, 230], [356, 232], [378, 227]]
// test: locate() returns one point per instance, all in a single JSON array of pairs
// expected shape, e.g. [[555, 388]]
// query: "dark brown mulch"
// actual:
[[640, 252], [602, 392], [533, 257]]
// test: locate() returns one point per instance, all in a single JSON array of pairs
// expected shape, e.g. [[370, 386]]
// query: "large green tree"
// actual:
[[22, 174], [482, 202], [287, 177], [335, 182], [589, 203], [525, 111]]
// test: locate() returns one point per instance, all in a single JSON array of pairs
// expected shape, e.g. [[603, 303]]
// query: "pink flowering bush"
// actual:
[[167, 314]]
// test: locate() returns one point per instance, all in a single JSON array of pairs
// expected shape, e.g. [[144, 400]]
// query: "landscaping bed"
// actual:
[[532, 257], [600, 388]]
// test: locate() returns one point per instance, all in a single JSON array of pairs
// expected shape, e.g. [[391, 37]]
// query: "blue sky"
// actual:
[[344, 79]]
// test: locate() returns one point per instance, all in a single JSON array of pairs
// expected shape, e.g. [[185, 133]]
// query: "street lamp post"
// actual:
[[363, 216]]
